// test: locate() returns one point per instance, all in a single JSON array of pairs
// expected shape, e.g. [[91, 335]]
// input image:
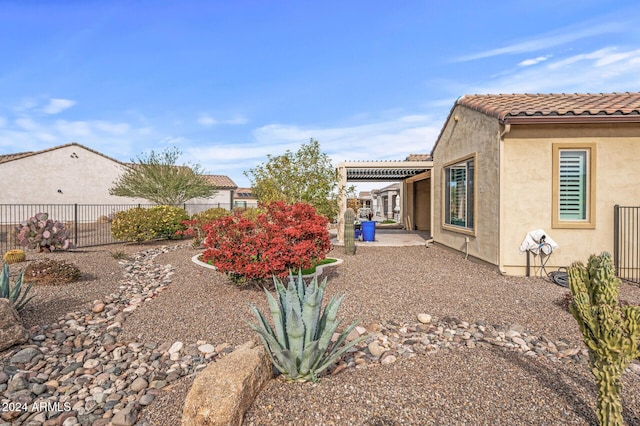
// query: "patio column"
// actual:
[[342, 200]]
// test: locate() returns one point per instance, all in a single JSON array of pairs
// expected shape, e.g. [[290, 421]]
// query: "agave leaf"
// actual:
[[330, 359], [278, 319], [262, 320], [343, 337], [5, 286], [310, 315], [268, 348], [293, 301], [288, 361], [300, 286], [310, 357], [328, 322], [295, 331]]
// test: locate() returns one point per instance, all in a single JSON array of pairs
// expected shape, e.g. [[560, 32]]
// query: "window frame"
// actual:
[[456, 228], [590, 191]]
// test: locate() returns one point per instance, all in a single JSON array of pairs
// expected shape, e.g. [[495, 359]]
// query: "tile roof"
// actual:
[[221, 181], [557, 107], [418, 157], [10, 157]]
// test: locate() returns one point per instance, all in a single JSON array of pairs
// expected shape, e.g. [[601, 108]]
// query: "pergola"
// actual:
[[371, 171]]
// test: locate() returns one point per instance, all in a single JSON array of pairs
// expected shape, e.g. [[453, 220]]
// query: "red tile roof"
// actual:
[[556, 107]]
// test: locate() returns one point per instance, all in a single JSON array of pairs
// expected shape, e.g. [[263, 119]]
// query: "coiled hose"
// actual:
[[559, 277]]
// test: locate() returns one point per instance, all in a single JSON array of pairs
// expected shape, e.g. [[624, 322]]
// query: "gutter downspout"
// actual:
[[507, 129]]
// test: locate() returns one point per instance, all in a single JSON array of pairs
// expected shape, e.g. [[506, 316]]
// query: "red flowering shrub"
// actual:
[[284, 237]]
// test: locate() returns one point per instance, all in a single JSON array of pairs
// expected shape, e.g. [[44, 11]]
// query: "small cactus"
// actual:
[[40, 232], [610, 332], [349, 231], [14, 256]]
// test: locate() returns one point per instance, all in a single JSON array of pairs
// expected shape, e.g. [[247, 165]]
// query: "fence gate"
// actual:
[[626, 236]]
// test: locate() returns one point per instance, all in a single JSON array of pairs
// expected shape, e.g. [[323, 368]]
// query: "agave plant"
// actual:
[[17, 297], [301, 346]]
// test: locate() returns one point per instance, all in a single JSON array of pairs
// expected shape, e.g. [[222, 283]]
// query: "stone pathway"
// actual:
[[76, 372]]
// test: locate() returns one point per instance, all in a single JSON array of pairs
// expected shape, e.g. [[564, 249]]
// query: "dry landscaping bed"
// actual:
[[387, 286]]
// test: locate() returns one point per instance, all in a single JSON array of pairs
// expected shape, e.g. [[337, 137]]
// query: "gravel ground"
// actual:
[[466, 386]]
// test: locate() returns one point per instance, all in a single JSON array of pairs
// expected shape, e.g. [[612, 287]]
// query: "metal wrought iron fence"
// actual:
[[89, 224], [626, 234]]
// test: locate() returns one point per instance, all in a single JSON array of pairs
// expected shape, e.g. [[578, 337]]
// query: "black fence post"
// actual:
[[616, 238], [75, 225]]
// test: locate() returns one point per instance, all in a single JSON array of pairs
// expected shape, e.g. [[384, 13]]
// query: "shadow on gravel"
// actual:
[[564, 382]]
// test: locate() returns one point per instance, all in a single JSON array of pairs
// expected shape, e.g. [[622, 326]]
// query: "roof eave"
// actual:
[[571, 119]]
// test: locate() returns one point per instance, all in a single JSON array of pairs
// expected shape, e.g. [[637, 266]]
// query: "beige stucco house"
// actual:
[[505, 165], [75, 174]]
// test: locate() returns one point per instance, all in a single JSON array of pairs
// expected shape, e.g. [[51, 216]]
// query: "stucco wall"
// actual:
[[70, 175], [477, 133], [528, 171], [81, 176]]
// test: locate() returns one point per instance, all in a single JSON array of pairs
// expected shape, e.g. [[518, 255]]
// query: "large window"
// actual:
[[573, 186], [459, 194]]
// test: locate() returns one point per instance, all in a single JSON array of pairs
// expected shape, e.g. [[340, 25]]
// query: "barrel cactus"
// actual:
[[301, 345], [14, 256], [40, 232], [349, 231], [610, 332]]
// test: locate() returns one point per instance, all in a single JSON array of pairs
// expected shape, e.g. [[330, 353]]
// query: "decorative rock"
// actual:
[[216, 399], [139, 384], [206, 348], [176, 347], [125, 417], [24, 356], [375, 349], [388, 360], [97, 308], [424, 318], [11, 330]]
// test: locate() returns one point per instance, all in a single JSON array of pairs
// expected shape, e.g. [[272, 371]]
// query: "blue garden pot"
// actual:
[[368, 231]]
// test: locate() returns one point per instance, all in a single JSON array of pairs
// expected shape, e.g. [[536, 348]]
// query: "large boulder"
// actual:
[[222, 392], [11, 330]]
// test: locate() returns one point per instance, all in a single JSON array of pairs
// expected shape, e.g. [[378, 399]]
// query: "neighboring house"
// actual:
[[244, 199], [505, 165], [223, 198], [74, 174], [387, 202]]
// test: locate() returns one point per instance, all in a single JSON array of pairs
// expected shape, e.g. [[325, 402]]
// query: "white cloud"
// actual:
[[26, 124], [3, 121], [548, 40], [529, 62], [113, 128], [73, 129], [603, 70], [207, 120], [57, 105]]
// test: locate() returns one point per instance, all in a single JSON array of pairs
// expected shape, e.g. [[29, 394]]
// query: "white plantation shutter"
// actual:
[[573, 185]]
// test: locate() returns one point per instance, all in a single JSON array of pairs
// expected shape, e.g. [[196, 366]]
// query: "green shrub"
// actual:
[[252, 213], [140, 224], [167, 220]]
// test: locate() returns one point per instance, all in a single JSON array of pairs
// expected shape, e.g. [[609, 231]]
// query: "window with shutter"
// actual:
[[573, 186], [459, 194]]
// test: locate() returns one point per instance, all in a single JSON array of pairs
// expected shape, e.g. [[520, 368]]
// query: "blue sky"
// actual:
[[228, 82]]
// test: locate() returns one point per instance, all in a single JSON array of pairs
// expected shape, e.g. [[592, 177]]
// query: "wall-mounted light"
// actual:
[[59, 191]]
